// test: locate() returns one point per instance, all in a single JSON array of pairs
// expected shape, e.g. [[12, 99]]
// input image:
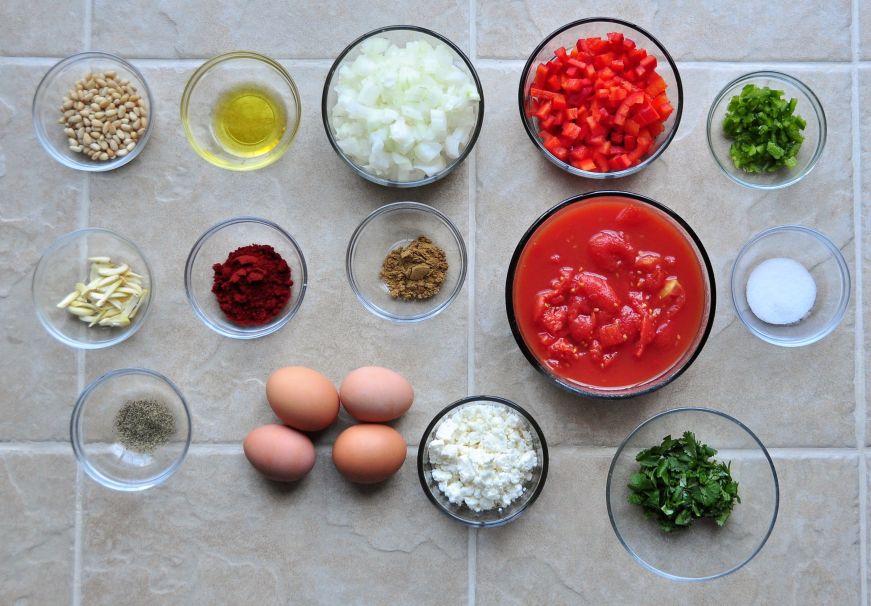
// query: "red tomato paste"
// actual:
[[608, 293]]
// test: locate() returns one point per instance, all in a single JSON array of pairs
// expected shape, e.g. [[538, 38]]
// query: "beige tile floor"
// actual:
[[218, 533]]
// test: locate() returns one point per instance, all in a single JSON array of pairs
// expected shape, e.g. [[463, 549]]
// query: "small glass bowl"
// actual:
[[391, 226], [399, 35], [567, 36], [808, 107], [652, 383], [703, 551], [820, 257], [215, 78], [64, 263], [461, 513], [214, 246], [96, 442], [57, 82]]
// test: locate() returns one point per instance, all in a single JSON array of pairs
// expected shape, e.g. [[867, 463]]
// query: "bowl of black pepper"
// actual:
[[130, 429], [406, 262]]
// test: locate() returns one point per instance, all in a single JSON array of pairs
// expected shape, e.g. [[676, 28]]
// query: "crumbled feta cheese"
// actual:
[[482, 455]]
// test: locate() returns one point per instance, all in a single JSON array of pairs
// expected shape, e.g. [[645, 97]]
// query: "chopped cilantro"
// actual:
[[679, 482]]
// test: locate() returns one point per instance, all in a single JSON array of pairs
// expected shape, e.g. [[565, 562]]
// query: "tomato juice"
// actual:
[[609, 292]]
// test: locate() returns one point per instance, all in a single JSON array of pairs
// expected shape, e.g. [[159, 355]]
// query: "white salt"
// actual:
[[781, 291]]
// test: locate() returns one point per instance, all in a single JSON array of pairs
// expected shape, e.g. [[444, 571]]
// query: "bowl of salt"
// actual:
[[790, 285]]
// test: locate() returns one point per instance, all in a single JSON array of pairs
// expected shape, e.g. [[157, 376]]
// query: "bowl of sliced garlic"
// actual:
[[91, 288]]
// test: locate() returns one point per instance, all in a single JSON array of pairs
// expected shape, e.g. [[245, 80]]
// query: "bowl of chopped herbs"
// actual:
[[766, 130], [692, 494]]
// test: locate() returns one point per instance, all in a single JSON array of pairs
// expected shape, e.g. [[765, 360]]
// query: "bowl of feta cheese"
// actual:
[[482, 461]]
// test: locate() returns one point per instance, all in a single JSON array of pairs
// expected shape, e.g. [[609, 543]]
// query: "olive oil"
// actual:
[[249, 120]]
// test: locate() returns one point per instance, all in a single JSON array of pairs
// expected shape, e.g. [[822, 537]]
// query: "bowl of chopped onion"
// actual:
[[402, 106]]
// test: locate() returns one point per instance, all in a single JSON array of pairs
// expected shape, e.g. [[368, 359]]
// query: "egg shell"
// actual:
[[280, 453], [302, 398], [375, 394], [367, 454]]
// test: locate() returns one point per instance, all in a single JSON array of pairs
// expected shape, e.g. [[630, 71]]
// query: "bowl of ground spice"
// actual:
[[245, 277], [406, 262], [130, 429]]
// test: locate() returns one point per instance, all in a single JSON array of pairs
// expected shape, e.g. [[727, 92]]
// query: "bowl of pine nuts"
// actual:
[[93, 112]]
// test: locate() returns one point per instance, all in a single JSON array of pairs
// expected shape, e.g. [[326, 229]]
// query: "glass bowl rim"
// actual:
[[706, 266], [469, 400], [76, 437], [819, 113], [252, 333], [66, 239], [389, 182], [521, 98], [387, 209], [39, 126], [844, 271], [202, 70], [768, 459]]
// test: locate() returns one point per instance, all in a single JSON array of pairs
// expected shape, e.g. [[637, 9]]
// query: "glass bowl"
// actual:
[[234, 79], [399, 35], [56, 84], [65, 263], [808, 107], [389, 227], [462, 513], [703, 551], [96, 442], [651, 383], [566, 37], [826, 265], [214, 246]]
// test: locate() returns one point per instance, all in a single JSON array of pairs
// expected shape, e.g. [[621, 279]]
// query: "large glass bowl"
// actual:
[[567, 36], [651, 383], [65, 263], [56, 84], [820, 257], [391, 226], [214, 246], [808, 107], [96, 442], [462, 513], [215, 78], [399, 35], [702, 551]]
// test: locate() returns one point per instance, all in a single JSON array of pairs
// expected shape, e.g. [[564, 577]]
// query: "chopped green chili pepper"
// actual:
[[766, 134]]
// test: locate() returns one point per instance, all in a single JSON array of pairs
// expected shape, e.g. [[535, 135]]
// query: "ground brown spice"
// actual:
[[416, 271]]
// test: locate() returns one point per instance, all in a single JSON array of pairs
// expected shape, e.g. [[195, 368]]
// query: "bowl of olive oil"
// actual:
[[240, 111]]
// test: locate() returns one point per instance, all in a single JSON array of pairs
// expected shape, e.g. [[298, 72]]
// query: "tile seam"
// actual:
[[472, 545], [859, 328], [77, 542]]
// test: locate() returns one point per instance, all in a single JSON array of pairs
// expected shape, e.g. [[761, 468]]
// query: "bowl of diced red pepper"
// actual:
[[601, 98]]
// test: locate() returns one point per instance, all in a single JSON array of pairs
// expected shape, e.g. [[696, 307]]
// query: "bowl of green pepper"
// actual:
[[766, 130], [692, 494]]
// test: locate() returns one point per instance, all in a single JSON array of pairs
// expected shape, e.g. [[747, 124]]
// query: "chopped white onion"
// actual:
[[403, 113]]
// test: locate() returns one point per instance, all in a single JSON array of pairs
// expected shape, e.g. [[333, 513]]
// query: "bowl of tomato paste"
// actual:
[[610, 294]]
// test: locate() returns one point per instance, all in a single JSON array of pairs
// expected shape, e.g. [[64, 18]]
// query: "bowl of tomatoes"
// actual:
[[610, 294], [601, 98]]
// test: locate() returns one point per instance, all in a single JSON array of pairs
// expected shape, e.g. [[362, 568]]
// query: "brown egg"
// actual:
[[367, 454], [302, 398], [279, 452], [375, 394]]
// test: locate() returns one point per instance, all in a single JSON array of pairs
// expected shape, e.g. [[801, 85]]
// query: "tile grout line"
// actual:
[[859, 329], [472, 546], [84, 218]]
